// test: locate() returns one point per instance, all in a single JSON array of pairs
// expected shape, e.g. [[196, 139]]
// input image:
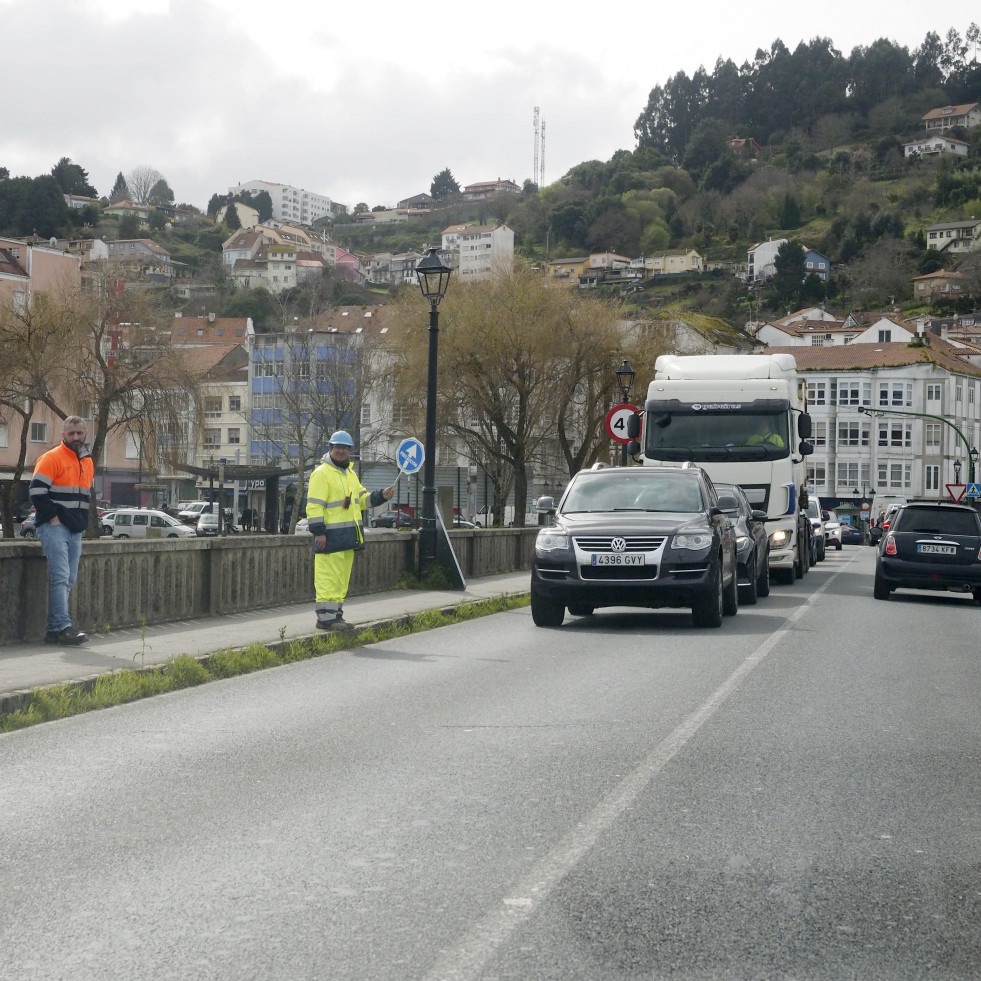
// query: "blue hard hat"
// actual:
[[341, 438]]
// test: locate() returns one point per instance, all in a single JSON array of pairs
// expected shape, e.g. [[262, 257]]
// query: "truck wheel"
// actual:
[[798, 563], [546, 612], [706, 611]]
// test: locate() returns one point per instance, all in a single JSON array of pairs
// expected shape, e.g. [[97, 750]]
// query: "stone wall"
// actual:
[[126, 583]]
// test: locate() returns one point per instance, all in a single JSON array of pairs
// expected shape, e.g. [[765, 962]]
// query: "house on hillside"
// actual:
[[487, 189], [745, 147], [947, 117], [955, 236], [932, 146], [944, 282], [144, 259], [567, 272], [815, 262], [761, 260]]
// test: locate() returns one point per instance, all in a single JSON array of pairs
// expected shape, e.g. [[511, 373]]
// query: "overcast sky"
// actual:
[[368, 101]]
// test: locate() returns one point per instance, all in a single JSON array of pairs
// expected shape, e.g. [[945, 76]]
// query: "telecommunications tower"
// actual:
[[538, 174]]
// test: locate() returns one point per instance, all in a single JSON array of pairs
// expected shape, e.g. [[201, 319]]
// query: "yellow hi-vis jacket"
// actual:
[[336, 499]]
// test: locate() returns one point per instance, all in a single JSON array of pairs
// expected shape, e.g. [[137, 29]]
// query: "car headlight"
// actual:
[[551, 541], [779, 538], [693, 539]]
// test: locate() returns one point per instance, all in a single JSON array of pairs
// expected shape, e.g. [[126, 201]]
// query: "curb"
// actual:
[[17, 700]]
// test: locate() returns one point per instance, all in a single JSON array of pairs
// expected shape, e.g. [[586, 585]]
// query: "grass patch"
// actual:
[[120, 687]]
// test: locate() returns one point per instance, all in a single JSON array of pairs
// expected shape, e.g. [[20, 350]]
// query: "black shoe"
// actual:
[[324, 624], [69, 636]]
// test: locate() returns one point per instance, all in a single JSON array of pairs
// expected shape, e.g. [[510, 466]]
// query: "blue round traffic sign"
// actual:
[[410, 455]]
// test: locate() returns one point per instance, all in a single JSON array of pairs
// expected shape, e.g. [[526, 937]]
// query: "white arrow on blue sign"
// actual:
[[410, 455]]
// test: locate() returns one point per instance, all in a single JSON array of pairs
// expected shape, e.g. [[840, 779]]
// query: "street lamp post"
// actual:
[[625, 378], [434, 277], [957, 471]]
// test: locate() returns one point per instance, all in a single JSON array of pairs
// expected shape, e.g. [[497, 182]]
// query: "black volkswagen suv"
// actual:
[[635, 536]]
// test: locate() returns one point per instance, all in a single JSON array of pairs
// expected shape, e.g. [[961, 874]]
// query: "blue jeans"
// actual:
[[63, 549]]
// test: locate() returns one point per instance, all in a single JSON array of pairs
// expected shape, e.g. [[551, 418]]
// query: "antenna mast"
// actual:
[[534, 173], [541, 181]]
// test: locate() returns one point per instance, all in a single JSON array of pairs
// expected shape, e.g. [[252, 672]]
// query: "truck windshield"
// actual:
[[707, 435]]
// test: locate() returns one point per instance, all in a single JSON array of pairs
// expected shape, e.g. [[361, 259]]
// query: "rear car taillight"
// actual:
[[890, 548]]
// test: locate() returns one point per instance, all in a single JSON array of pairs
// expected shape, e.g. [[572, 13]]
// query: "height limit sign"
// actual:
[[616, 421]]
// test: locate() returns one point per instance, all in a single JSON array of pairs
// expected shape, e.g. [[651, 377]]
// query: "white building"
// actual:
[[483, 248], [761, 259], [935, 145], [856, 453], [290, 203]]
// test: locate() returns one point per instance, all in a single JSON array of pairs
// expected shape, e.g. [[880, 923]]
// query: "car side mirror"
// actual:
[[546, 505], [759, 515]]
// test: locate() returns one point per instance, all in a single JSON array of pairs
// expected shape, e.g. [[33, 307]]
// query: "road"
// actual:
[[795, 795]]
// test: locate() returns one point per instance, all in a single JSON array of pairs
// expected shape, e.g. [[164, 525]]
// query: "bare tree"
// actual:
[[141, 181]]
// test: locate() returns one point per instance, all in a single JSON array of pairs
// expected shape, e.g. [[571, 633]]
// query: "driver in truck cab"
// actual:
[[764, 434]]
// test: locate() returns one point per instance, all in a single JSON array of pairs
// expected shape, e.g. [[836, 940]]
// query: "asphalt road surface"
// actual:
[[795, 795]]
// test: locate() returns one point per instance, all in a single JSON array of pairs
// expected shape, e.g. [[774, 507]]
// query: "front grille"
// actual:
[[601, 543]]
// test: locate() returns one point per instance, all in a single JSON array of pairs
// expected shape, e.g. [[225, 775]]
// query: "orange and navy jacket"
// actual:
[[61, 486]]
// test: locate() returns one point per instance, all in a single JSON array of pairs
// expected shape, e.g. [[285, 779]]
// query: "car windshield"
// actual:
[[643, 492]]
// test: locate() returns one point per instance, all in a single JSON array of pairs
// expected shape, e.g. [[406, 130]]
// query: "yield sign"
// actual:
[[956, 492]]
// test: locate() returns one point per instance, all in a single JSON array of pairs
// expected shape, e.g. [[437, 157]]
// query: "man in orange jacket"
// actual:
[[60, 492]]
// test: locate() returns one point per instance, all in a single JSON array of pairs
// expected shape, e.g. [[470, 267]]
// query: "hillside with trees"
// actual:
[[820, 161]]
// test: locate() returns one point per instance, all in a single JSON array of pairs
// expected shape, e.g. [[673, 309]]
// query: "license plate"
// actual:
[[617, 559], [927, 549]]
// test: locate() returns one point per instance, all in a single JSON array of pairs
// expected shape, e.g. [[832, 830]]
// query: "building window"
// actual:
[[933, 393], [133, 446], [895, 434], [234, 403], [4, 436], [958, 393], [817, 393], [366, 414], [817, 475], [212, 406], [39, 432], [848, 475], [885, 336], [212, 437], [853, 434], [848, 393], [896, 394], [931, 478], [932, 436], [819, 435], [234, 436]]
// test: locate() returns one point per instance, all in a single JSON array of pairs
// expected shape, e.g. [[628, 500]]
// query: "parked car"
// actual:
[[930, 546], [813, 511], [850, 535], [752, 542], [136, 522], [107, 522], [462, 523], [392, 519], [636, 536], [28, 528], [832, 530], [302, 527]]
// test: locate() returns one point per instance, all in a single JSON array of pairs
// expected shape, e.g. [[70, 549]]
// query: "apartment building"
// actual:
[[290, 203]]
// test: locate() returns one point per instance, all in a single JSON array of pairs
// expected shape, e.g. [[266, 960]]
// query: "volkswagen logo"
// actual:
[[619, 545]]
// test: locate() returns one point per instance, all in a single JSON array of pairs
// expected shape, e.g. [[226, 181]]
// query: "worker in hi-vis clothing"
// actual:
[[335, 501]]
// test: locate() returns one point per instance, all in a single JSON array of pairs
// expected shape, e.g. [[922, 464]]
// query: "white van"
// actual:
[[190, 513], [137, 522], [881, 504]]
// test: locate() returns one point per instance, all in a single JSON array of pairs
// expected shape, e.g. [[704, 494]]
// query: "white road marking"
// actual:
[[464, 961]]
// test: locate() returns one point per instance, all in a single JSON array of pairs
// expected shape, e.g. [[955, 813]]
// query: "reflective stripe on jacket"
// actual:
[[61, 487]]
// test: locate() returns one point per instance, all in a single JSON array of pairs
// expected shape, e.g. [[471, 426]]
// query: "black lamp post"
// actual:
[[625, 378], [433, 277], [972, 462], [957, 471]]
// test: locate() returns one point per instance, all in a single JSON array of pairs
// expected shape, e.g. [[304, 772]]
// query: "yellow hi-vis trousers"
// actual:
[[331, 579]]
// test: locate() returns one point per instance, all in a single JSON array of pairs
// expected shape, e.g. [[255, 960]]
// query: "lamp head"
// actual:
[[433, 276], [625, 378]]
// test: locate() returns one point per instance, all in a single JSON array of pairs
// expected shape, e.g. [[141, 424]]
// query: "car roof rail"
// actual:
[[599, 465]]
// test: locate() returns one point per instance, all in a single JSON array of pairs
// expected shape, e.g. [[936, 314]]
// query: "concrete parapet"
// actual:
[[127, 583]]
